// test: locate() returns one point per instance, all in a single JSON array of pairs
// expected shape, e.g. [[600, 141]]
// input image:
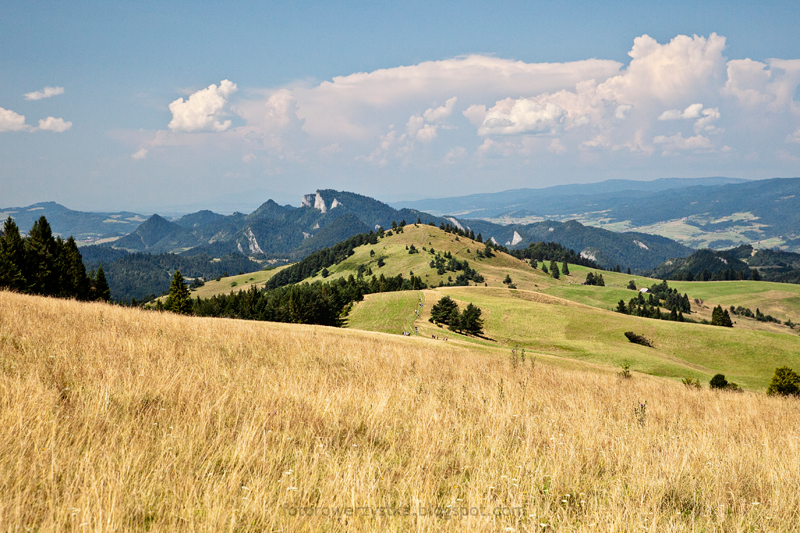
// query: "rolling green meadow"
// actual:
[[565, 319]]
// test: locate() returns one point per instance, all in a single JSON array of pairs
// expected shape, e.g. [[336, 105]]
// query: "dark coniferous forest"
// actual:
[[45, 265]]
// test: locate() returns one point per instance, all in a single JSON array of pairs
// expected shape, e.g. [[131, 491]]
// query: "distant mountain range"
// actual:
[[553, 200], [327, 217], [82, 225], [701, 213]]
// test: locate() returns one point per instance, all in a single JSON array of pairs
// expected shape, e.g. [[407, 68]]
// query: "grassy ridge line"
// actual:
[[120, 419], [243, 282], [399, 261]]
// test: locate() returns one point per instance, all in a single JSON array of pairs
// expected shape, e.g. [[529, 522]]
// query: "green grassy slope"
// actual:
[[565, 319], [387, 312], [548, 325], [781, 300], [235, 283], [399, 261]]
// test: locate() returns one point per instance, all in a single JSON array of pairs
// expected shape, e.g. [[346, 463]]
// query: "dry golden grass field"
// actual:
[[115, 419]]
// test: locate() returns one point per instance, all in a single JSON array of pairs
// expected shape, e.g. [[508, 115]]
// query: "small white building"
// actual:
[[644, 290]]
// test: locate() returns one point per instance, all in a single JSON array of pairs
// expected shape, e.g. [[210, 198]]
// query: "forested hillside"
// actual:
[[742, 262], [143, 276]]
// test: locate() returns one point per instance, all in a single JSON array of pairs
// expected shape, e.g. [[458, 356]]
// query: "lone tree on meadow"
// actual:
[[178, 300], [565, 268]]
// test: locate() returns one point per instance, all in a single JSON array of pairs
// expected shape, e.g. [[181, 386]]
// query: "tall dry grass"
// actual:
[[118, 419]]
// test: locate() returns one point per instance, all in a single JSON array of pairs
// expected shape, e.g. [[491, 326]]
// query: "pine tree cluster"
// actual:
[[552, 251], [448, 263], [446, 311], [595, 279], [315, 303], [721, 317], [447, 228], [46, 265], [660, 296]]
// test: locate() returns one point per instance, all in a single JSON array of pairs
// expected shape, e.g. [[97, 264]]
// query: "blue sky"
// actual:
[[396, 101]]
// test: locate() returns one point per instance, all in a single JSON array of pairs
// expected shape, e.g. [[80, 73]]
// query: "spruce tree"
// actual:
[[100, 289], [440, 312], [74, 273], [565, 268], [178, 300], [726, 319], [554, 270], [12, 258], [471, 321], [40, 251], [454, 320], [755, 275]]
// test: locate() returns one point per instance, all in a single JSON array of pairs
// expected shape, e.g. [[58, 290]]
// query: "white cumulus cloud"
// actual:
[[438, 113], [511, 116], [47, 92], [203, 110], [427, 133], [141, 154], [794, 137], [693, 111], [678, 143], [349, 105], [11, 121], [705, 117], [57, 125]]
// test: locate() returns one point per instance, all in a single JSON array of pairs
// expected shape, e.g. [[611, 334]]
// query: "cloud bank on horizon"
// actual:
[[678, 98]]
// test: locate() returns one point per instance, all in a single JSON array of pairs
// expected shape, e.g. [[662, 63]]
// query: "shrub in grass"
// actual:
[[692, 383], [718, 382], [638, 339], [785, 382]]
